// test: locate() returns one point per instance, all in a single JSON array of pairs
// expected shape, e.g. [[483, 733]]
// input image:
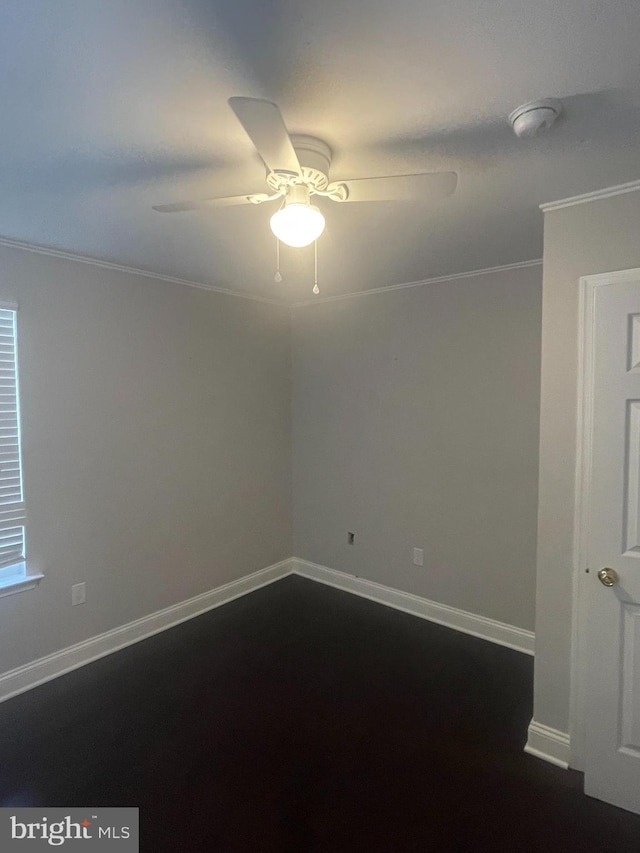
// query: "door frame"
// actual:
[[588, 287]]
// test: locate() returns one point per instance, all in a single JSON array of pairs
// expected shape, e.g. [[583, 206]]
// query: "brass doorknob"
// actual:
[[608, 577]]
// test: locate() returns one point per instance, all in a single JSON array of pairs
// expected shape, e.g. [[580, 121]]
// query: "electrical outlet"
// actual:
[[418, 557], [78, 593]]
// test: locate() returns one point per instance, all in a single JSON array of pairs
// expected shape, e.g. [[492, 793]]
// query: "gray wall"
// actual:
[[416, 424], [156, 437], [600, 236]]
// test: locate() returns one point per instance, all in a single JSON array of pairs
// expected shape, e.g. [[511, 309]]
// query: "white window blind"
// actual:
[[12, 510]]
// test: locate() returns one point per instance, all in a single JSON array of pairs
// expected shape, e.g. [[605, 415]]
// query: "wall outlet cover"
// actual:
[[78, 593]]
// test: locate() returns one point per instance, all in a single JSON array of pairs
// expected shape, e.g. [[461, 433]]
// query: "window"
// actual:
[[13, 572]]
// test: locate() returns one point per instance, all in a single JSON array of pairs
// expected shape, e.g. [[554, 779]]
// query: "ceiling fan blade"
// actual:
[[265, 127], [204, 203], [432, 185]]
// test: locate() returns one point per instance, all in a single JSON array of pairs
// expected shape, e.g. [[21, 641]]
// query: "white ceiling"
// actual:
[[110, 106]]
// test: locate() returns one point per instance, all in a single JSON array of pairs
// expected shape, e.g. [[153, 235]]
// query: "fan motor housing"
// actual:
[[315, 159]]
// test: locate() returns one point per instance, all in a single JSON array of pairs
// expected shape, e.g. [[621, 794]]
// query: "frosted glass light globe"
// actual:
[[297, 224]]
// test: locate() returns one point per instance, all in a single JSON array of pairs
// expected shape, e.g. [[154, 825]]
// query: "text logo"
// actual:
[[41, 829]]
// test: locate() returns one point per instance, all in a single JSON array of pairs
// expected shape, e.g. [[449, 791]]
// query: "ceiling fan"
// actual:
[[298, 168]]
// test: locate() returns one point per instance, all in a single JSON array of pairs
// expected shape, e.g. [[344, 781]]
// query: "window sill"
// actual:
[[10, 586]]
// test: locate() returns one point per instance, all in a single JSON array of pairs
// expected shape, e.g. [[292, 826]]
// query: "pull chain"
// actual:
[[277, 277], [316, 289]]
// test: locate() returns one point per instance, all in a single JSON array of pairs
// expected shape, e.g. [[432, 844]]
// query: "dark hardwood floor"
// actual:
[[301, 718]]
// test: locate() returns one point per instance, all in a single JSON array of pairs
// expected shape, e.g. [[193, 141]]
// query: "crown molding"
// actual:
[[439, 279], [39, 249], [596, 195], [109, 265]]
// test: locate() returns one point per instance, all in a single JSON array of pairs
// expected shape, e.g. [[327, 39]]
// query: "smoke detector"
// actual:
[[535, 117]]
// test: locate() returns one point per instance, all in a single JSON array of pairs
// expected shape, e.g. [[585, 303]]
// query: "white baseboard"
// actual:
[[549, 744], [45, 669], [469, 623]]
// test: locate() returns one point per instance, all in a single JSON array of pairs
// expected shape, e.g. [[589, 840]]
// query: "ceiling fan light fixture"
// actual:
[[298, 223]]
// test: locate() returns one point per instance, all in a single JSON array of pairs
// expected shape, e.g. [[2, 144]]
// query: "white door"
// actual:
[[612, 758]]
